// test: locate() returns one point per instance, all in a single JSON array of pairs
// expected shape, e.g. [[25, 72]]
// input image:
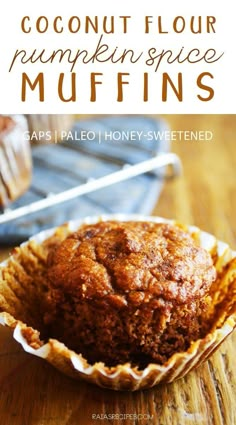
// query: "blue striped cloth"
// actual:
[[59, 167]]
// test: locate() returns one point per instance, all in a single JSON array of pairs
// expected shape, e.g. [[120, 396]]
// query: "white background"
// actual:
[[224, 71]]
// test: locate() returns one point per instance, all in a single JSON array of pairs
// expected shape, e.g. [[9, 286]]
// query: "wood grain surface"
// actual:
[[33, 393]]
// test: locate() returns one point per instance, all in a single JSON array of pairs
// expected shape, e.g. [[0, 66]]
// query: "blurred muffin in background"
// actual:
[[15, 158], [44, 128]]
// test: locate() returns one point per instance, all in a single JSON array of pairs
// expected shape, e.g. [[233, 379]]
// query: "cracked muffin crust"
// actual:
[[128, 291]]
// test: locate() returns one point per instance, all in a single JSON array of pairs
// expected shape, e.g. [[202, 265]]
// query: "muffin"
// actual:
[[159, 270], [128, 292], [15, 159], [49, 128]]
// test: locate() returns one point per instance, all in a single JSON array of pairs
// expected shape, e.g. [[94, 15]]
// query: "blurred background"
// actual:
[[203, 194]]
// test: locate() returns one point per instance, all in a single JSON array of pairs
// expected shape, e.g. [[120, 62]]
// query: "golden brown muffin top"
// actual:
[[131, 262]]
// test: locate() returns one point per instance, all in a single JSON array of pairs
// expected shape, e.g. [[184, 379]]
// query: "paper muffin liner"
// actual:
[[20, 305]]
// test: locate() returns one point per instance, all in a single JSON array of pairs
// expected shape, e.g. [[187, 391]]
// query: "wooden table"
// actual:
[[33, 393]]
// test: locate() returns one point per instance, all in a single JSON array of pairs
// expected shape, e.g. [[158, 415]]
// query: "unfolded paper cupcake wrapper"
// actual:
[[22, 315]]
